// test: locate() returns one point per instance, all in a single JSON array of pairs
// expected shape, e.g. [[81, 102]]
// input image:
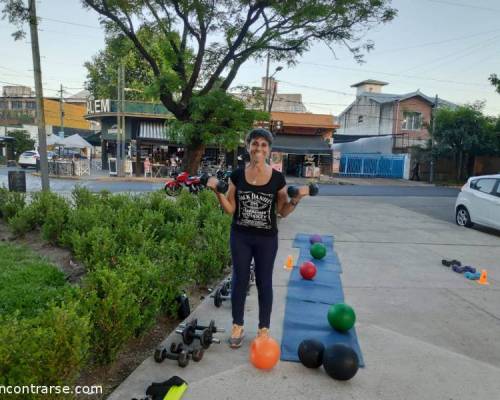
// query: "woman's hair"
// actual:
[[260, 132]]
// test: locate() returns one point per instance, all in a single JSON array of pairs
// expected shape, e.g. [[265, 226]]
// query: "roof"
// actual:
[[305, 119], [301, 144], [370, 82], [383, 98]]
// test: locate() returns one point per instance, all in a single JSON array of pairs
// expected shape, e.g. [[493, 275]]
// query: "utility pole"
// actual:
[[267, 82], [120, 135], [40, 114], [434, 109], [61, 109]]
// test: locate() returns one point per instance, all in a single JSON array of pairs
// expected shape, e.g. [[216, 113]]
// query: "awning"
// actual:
[[301, 145], [153, 130]]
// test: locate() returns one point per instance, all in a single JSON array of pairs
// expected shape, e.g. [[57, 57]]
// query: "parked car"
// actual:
[[479, 202], [29, 158]]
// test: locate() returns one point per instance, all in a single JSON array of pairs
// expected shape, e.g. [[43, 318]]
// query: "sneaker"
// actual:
[[263, 332], [236, 338]]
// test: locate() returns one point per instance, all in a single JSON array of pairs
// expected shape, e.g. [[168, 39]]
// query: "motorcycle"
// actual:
[[183, 180]]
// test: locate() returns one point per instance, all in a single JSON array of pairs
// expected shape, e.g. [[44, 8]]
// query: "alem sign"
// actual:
[[98, 106]]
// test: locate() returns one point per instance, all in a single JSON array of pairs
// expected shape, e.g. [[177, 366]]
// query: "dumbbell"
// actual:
[[221, 187], [211, 326], [182, 357], [448, 263], [219, 297], [196, 354], [293, 191], [189, 334]]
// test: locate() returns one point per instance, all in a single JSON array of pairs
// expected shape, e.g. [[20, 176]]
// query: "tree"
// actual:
[[463, 133], [102, 71], [22, 142], [223, 35], [495, 81]]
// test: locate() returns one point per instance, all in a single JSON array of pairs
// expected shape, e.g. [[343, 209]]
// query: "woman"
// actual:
[[256, 194]]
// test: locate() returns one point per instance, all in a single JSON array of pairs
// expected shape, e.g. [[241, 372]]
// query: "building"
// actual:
[[279, 102], [404, 117], [304, 140], [18, 111]]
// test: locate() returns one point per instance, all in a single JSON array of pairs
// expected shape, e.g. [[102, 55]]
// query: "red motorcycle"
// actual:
[[183, 180]]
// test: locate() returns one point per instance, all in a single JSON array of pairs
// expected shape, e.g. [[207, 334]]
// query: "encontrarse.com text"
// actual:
[[37, 389]]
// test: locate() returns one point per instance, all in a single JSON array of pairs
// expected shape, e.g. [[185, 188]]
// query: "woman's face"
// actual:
[[259, 149]]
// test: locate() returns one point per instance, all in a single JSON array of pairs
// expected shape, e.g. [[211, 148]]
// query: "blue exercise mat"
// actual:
[[307, 303], [302, 240], [325, 288], [305, 320]]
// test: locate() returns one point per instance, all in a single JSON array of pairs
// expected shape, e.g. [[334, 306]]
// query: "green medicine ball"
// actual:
[[341, 317], [318, 251]]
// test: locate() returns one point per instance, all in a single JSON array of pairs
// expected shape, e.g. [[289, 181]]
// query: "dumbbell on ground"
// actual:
[[182, 357], [196, 354], [293, 191], [211, 326], [189, 334], [221, 187]]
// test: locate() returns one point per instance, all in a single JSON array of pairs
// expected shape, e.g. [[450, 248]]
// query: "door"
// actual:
[[483, 200], [495, 207]]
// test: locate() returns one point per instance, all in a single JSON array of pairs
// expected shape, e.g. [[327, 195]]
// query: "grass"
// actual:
[[28, 282]]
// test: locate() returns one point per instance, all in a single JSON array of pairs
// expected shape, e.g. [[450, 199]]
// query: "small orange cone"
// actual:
[[483, 279], [289, 263]]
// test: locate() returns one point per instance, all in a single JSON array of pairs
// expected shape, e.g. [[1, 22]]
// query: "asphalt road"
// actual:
[[437, 202]]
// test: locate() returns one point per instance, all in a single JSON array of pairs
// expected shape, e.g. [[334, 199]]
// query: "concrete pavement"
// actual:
[[425, 331]]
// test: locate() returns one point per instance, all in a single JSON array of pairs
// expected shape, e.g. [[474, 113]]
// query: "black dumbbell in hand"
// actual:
[[221, 186], [312, 190]]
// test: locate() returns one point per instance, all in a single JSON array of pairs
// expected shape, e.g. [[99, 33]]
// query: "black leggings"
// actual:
[[244, 247]]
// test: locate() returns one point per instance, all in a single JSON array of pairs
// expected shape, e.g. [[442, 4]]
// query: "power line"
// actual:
[[69, 23], [376, 52], [452, 3], [396, 74]]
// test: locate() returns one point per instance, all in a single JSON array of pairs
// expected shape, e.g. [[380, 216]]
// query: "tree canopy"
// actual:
[[203, 43], [464, 132]]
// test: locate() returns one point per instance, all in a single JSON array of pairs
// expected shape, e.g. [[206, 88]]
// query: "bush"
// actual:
[[114, 312], [44, 335], [11, 203], [49, 349]]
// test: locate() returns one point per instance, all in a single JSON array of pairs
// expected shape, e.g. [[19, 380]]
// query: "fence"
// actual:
[[373, 165]]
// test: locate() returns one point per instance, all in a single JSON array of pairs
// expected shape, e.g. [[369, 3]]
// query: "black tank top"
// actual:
[[256, 204]]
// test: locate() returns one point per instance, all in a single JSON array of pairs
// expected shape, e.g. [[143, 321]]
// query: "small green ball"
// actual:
[[341, 317], [318, 251]]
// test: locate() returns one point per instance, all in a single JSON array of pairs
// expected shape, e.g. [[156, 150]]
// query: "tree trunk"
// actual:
[[460, 165], [192, 157]]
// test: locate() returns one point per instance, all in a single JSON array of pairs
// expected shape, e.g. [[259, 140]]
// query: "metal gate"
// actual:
[[372, 165]]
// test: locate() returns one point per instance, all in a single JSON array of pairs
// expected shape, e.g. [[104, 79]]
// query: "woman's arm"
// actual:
[[286, 207], [227, 201]]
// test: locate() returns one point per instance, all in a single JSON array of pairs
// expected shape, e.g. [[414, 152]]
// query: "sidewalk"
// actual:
[[417, 321]]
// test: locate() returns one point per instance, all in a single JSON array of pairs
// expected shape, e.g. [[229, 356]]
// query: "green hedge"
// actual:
[[139, 253]]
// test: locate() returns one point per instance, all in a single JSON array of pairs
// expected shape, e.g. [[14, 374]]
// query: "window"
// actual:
[[412, 121], [30, 105], [497, 191], [16, 105], [3, 105], [360, 119], [483, 185]]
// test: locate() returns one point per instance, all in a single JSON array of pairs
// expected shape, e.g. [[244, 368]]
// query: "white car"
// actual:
[[479, 202], [29, 158]]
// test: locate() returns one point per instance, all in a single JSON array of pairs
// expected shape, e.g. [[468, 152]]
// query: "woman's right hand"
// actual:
[[212, 183]]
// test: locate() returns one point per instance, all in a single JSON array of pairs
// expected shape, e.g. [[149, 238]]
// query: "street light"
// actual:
[[278, 69]]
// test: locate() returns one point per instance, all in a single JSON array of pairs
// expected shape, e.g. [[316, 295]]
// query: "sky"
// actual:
[[447, 48]]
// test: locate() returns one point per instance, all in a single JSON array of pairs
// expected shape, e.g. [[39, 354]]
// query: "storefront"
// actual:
[[302, 144]]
